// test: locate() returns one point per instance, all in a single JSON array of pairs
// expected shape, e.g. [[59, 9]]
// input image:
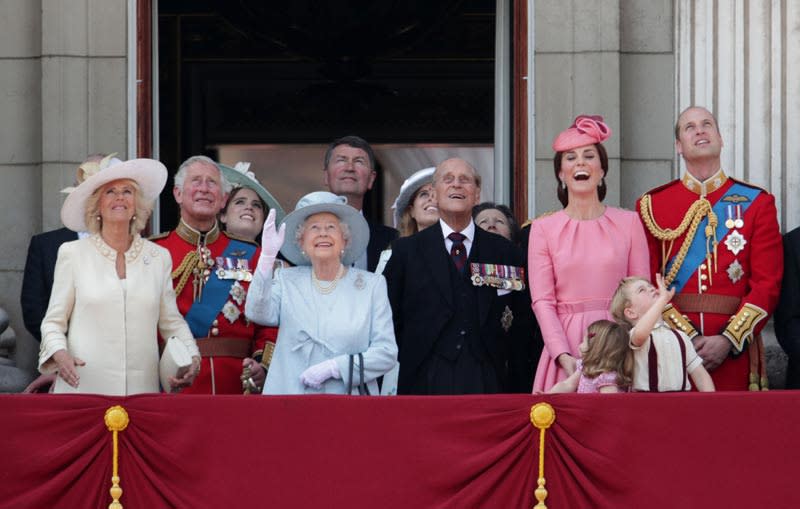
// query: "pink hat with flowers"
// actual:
[[586, 130]]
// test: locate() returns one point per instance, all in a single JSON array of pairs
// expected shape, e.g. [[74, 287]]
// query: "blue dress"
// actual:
[[313, 327]]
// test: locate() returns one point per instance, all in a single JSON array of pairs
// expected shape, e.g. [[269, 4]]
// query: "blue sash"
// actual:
[[697, 250], [215, 293]]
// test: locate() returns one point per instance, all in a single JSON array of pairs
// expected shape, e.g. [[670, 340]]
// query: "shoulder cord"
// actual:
[[185, 270], [699, 209]]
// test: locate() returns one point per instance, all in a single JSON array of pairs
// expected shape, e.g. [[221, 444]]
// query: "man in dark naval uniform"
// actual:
[[716, 241], [349, 170], [452, 290], [211, 272]]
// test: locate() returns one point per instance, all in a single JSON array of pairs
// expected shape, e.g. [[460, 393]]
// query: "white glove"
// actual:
[[271, 242], [317, 374]]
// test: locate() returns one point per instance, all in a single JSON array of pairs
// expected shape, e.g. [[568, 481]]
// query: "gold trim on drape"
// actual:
[[542, 417]]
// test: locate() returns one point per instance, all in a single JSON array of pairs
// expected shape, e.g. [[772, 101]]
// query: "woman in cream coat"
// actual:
[[112, 291]]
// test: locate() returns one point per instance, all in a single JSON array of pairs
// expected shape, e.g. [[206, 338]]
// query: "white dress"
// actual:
[[313, 327]]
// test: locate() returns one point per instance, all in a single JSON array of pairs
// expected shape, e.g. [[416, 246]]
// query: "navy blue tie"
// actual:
[[459, 251]]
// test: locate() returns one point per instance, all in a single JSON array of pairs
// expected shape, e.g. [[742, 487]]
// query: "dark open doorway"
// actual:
[[302, 72]]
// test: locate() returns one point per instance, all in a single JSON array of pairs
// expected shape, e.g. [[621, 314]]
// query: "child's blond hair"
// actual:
[[608, 351], [622, 299]]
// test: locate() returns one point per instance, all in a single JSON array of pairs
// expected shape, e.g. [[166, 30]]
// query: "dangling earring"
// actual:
[[563, 185], [304, 254]]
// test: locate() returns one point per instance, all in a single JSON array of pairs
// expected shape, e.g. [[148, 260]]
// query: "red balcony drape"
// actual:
[[627, 450]]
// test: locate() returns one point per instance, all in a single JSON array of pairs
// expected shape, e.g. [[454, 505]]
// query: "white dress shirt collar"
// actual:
[[468, 232]]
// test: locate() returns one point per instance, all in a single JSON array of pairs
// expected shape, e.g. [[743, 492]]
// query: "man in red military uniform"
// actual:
[[211, 274], [717, 241]]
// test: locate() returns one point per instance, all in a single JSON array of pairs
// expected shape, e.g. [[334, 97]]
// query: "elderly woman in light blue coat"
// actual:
[[332, 317]]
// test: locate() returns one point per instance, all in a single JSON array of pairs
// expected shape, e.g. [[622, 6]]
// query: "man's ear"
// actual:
[[326, 178], [372, 176], [679, 147], [177, 193], [477, 197]]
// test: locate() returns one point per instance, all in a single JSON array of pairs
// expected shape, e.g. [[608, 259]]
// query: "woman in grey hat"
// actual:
[[248, 204], [415, 207], [335, 321]]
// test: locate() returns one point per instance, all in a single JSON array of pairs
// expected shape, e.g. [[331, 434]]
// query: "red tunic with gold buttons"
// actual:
[[732, 293], [231, 336]]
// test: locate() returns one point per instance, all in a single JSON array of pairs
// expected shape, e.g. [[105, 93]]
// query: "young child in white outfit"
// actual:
[[662, 356]]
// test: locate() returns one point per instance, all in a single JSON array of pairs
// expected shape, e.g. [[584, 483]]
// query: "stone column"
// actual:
[[577, 70], [742, 61]]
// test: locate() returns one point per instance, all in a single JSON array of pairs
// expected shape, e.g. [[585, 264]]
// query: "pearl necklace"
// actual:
[[326, 289]]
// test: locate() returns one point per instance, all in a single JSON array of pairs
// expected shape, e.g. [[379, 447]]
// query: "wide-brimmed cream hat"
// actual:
[[410, 186], [323, 201], [150, 174], [241, 176]]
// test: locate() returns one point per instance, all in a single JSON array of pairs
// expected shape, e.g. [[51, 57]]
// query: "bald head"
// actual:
[[457, 162]]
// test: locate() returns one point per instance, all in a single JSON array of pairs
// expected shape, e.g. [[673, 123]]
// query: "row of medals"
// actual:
[[487, 275]]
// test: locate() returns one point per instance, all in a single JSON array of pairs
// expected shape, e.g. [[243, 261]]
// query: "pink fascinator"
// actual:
[[586, 130]]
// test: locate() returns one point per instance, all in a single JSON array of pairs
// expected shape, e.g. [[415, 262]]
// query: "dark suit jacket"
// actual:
[[787, 314], [380, 237], [526, 337], [37, 283], [421, 294]]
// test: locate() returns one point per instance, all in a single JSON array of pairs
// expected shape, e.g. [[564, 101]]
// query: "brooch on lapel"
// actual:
[[359, 283], [506, 319]]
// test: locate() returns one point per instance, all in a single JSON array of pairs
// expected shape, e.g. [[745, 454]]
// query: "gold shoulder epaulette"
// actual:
[[159, 236]]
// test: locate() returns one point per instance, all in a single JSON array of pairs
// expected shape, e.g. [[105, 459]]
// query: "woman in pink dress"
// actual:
[[577, 256]]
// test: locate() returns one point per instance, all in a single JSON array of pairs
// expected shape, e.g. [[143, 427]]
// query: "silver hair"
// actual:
[[301, 228], [180, 176]]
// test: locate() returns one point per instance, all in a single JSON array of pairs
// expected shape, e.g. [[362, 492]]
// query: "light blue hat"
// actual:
[[323, 201]]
